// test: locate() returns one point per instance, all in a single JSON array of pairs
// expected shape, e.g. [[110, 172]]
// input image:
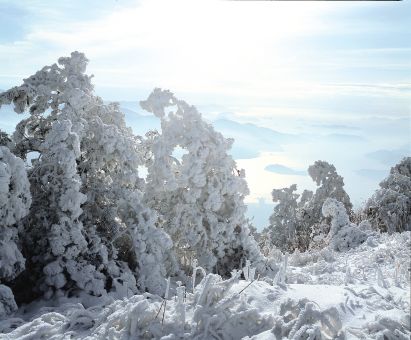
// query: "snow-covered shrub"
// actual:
[[320, 305], [390, 206], [343, 234], [217, 309], [349, 237], [201, 197], [300, 259], [303, 320], [303, 259], [217, 313], [385, 327]]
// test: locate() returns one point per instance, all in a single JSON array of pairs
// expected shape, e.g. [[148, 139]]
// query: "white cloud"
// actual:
[[186, 44], [229, 48]]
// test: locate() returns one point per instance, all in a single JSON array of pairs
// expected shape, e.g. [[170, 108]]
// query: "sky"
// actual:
[[292, 82]]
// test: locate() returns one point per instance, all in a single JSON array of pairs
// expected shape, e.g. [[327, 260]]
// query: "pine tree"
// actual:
[[200, 197], [330, 185], [390, 206], [283, 221], [295, 223], [15, 201]]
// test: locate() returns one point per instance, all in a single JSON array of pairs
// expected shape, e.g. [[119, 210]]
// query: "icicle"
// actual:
[[280, 278], [194, 265], [380, 278], [195, 268], [362, 268], [285, 267], [397, 274], [251, 274], [167, 288], [180, 306], [246, 270], [348, 275]]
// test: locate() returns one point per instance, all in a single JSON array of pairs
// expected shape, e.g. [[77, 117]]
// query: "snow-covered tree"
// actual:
[[56, 238], [87, 220], [390, 206], [294, 223], [4, 138], [283, 221], [15, 201], [14, 188], [200, 197], [331, 185], [306, 196]]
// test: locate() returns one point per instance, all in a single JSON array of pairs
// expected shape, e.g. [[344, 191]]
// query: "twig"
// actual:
[[162, 302], [258, 276], [164, 311]]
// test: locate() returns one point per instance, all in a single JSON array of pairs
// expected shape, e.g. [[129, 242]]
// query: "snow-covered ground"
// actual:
[[360, 294]]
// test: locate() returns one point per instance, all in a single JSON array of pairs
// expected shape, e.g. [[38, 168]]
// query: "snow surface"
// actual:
[[363, 293]]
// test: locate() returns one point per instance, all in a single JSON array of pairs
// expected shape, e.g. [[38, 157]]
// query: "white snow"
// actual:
[[240, 309]]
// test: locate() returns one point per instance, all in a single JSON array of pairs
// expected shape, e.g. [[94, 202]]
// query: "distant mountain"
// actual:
[[264, 134], [251, 139], [390, 157]]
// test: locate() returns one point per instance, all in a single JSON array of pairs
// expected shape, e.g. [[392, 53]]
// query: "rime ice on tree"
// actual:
[[201, 197]]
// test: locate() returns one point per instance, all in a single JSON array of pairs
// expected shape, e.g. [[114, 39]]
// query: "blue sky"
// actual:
[[333, 78]]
